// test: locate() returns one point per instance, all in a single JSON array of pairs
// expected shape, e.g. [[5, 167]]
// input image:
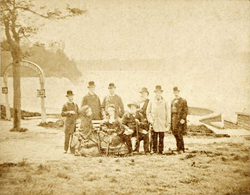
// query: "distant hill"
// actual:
[[121, 65], [54, 64]]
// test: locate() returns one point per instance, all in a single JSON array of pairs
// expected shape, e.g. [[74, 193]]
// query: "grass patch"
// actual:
[[63, 174]]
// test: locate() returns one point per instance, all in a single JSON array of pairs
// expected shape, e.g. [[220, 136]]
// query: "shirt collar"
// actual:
[[112, 95], [161, 98], [70, 102], [91, 93]]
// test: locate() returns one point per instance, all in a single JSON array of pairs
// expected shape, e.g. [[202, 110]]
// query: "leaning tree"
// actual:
[[15, 23]]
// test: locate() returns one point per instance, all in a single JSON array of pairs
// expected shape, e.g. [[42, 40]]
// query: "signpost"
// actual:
[[4, 90]]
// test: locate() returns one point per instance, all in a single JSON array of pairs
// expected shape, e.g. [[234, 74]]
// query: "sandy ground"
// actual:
[[210, 166], [40, 144]]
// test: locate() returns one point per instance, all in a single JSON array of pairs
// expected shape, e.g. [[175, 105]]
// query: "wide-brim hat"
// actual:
[[144, 89], [111, 85], [158, 88], [176, 89], [69, 93], [91, 84], [133, 103]]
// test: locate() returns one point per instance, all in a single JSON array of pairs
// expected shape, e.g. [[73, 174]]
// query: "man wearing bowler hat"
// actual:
[[144, 127], [157, 114], [93, 101], [113, 98], [179, 111], [70, 112]]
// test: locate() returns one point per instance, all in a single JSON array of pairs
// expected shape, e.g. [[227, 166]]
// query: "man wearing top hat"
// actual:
[[157, 114], [179, 111], [144, 127], [70, 112], [93, 101], [113, 98]]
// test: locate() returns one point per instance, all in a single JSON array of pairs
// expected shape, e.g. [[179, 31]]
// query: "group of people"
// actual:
[[146, 120]]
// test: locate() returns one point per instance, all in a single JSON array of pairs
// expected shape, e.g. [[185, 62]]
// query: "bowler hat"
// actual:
[[69, 93], [91, 84], [133, 103], [176, 89], [158, 88], [144, 89], [111, 85]]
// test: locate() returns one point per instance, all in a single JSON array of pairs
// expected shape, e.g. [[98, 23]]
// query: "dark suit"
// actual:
[[143, 126], [179, 110], [94, 103], [117, 101], [70, 122]]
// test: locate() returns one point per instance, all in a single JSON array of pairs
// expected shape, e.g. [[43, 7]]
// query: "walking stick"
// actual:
[[137, 131]]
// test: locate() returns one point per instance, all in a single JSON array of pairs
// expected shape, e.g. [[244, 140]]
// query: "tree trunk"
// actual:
[[17, 92]]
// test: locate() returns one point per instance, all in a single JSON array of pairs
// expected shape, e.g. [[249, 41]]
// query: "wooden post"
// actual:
[[43, 110]]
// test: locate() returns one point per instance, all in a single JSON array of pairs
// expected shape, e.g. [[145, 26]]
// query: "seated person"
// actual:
[[142, 135], [86, 128], [113, 127], [131, 121]]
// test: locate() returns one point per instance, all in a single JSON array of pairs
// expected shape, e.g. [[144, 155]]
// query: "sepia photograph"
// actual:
[[125, 97]]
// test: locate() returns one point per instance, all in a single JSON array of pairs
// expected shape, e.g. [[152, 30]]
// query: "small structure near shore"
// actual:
[[243, 120]]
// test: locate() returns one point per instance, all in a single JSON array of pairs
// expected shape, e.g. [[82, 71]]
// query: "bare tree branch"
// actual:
[[29, 10]]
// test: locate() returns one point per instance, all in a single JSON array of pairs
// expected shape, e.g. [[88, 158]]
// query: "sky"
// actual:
[[203, 47]]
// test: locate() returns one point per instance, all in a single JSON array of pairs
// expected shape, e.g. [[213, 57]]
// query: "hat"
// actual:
[[83, 110], [133, 103], [91, 84], [69, 93], [144, 89], [111, 85], [111, 106], [158, 88], [176, 89]]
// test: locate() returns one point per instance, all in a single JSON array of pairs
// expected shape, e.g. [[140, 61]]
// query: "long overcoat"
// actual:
[[157, 114]]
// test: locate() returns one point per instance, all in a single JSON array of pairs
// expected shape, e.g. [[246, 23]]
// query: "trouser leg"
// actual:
[[66, 141], [137, 143], [181, 142], [161, 142], [127, 140], [72, 149], [155, 135], [177, 141], [146, 143]]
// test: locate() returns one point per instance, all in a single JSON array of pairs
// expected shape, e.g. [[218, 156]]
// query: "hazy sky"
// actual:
[[204, 45]]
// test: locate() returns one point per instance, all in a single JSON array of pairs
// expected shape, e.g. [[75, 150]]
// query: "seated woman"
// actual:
[[113, 128], [85, 135]]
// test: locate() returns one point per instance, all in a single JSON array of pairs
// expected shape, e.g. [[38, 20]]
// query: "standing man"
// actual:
[[179, 111], [93, 101], [144, 128], [157, 115], [112, 98], [70, 111]]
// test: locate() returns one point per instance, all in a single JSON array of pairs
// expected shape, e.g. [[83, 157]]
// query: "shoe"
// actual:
[[180, 152], [152, 152], [135, 152], [65, 151], [77, 153]]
